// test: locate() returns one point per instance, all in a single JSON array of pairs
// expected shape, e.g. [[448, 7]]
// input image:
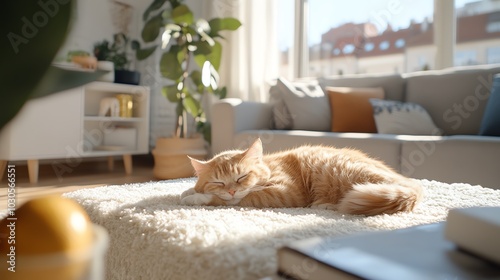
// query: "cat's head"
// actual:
[[232, 174]]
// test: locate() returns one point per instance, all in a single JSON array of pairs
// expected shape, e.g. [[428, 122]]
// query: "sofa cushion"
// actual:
[[455, 98], [469, 159], [307, 104], [351, 110], [395, 117], [384, 147], [490, 125], [393, 84]]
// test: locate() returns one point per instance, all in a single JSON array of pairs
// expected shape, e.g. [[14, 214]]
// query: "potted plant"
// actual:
[[190, 59], [117, 52]]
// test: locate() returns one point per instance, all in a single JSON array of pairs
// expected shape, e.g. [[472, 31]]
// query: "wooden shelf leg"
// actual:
[[127, 161], [111, 163], [3, 165], [33, 170]]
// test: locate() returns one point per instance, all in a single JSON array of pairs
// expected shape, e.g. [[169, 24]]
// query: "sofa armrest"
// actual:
[[231, 116]]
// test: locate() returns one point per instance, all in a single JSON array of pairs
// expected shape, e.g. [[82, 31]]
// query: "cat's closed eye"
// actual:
[[241, 178], [218, 183]]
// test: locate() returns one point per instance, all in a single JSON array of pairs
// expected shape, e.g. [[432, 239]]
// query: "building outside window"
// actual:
[[391, 36], [493, 55]]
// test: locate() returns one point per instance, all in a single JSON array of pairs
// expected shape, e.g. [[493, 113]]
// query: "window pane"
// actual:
[[360, 36], [478, 32], [285, 25]]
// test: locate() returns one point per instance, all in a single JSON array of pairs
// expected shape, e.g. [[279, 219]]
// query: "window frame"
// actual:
[[444, 36]]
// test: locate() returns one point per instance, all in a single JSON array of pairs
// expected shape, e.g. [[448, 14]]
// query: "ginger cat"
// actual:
[[309, 176]]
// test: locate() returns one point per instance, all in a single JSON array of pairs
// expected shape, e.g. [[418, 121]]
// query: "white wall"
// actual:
[[96, 20]]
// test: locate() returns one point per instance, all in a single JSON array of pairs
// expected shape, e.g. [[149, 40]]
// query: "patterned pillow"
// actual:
[[395, 117]]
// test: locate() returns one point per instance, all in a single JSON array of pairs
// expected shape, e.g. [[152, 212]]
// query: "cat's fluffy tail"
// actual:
[[374, 199]]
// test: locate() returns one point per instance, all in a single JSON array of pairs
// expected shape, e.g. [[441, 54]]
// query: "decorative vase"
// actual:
[[170, 156], [107, 66]]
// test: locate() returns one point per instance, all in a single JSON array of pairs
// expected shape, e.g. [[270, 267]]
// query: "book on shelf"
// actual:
[[420, 252]]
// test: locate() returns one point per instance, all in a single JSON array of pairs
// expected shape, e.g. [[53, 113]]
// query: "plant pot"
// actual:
[[170, 156], [127, 77], [107, 66]]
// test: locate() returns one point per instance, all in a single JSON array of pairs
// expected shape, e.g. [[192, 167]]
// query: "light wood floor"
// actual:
[[85, 175]]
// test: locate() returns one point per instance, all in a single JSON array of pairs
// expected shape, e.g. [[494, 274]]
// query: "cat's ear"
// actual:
[[198, 165], [255, 151]]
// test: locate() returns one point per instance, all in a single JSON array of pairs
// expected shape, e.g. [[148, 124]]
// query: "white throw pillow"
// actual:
[[395, 117], [308, 105]]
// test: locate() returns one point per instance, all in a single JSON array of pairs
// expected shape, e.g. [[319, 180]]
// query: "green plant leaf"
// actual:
[[200, 59], [145, 53], [142, 54], [182, 15], [219, 24], [192, 105], [215, 56], [156, 5], [27, 51], [152, 28], [171, 93], [170, 67], [202, 47], [221, 92], [196, 77], [205, 129]]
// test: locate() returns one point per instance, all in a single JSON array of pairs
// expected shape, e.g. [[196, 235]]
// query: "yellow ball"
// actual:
[[51, 235]]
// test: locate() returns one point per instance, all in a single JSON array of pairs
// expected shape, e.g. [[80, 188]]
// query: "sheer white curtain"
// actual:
[[250, 54]]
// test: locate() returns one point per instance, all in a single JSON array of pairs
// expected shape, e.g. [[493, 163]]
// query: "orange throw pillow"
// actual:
[[351, 108]]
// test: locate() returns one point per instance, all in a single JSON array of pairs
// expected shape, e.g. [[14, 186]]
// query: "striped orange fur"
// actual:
[[309, 176]]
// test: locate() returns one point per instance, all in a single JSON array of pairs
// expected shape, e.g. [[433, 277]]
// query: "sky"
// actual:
[[328, 13]]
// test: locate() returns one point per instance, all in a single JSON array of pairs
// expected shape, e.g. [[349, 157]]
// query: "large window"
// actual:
[[478, 32], [361, 36]]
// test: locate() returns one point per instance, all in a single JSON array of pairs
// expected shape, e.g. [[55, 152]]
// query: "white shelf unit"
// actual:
[[66, 125]]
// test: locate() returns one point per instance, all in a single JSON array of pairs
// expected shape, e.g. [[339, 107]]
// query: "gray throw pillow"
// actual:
[[282, 120], [307, 104]]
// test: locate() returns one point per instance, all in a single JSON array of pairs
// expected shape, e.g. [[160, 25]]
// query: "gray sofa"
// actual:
[[455, 99]]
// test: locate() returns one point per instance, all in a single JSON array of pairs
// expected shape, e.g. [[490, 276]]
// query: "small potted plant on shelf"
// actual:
[[117, 53], [190, 59]]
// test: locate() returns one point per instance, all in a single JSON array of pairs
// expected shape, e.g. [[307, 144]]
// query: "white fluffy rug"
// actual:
[[153, 237]]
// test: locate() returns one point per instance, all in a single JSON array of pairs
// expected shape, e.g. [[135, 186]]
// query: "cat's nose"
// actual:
[[231, 192]]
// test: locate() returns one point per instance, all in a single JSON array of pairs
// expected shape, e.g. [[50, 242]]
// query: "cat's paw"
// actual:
[[196, 199], [188, 192]]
